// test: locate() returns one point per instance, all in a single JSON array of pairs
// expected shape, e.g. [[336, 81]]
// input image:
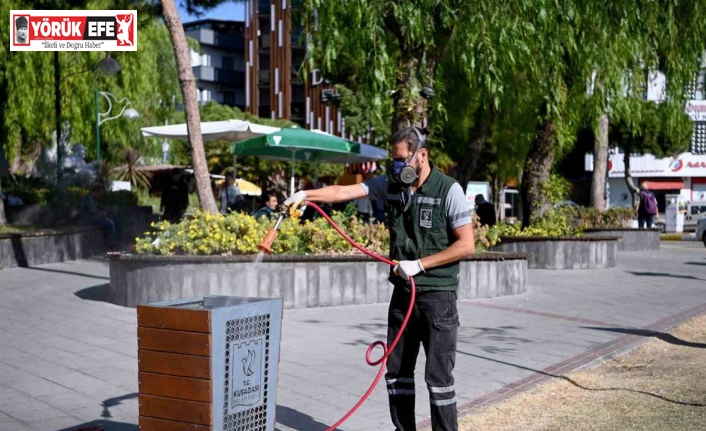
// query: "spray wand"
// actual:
[[266, 246]]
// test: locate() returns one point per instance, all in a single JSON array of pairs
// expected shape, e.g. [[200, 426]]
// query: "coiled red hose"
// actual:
[[385, 349]]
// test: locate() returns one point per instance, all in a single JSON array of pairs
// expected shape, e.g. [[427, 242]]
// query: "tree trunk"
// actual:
[[191, 108], [628, 180], [481, 132], [600, 164], [411, 110], [536, 173]]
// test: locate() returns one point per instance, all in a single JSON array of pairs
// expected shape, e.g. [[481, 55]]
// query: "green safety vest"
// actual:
[[423, 230]]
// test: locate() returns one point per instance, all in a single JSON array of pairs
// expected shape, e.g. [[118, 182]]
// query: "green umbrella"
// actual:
[[302, 144]]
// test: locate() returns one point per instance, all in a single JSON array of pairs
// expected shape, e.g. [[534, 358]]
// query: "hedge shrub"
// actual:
[[239, 234]]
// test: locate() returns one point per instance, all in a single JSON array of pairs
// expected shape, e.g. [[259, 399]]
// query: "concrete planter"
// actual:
[[630, 239], [301, 281], [130, 221], [37, 248], [563, 252]]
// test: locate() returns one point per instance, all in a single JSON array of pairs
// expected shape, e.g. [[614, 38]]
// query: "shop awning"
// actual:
[[664, 184]]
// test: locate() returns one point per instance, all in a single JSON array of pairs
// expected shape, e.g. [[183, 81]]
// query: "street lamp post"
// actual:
[[108, 66], [101, 117]]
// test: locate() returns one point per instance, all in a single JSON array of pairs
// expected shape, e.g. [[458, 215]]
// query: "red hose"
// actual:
[[385, 350]]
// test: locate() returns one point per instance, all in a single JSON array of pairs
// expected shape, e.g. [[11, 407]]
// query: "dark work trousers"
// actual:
[[434, 324]]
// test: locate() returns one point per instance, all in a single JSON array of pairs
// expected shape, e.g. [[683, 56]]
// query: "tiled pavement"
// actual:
[[68, 360]]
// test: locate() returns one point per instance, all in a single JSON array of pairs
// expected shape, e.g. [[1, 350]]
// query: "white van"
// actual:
[[695, 211]]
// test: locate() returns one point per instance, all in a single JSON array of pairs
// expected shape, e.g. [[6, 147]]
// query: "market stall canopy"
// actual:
[[306, 145], [230, 130]]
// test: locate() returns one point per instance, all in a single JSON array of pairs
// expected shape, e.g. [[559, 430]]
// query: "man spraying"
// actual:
[[430, 231]]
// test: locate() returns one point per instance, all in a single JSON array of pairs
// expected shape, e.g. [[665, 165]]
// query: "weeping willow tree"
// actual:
[[390, 51], [520, 76], [27, 103]]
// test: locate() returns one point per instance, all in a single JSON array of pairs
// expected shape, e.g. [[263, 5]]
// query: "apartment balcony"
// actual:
[[265, 41], [219, 75], [230, 41], [235, 42], [231, 77], [203, 35], [205, 73]]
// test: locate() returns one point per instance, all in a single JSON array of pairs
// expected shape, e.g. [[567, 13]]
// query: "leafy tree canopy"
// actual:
[[148, 79]]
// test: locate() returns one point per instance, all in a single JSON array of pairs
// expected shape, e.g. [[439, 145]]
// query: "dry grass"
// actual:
[[660, 386]]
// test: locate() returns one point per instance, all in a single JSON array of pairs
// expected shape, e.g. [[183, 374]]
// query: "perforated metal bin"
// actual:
[[209, 363]]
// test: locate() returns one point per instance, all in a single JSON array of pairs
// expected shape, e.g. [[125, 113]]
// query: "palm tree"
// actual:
[[131, 171]]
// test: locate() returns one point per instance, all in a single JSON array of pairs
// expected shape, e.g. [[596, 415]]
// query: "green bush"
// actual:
[[568, 221], [208, 234], [123, 198], [616, 217], [239, 234], [31, 195], [73, 196]]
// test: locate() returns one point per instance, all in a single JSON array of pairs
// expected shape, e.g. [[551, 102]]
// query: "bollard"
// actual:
[[208, 363]]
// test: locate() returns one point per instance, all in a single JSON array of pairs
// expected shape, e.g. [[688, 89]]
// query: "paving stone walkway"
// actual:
[[68, 360]]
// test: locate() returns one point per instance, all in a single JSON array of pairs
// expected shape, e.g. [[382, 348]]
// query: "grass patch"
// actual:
[[671, 237], [660, 386]]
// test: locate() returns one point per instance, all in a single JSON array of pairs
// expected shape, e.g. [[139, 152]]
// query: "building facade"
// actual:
[[219, 66], [278, 83], [683, 176]]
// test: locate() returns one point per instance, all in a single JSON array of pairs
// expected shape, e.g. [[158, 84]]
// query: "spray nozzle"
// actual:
[[284, 212], [266, 244]]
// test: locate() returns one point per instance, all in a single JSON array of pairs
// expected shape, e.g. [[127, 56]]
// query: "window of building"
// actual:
[[227, 62], [195, 58], [229, 98], [263, 6], [700, 86], [698, 139], [205, 60]]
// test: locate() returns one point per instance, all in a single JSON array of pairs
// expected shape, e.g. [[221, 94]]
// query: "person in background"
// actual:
[[485, 211], [269, 208], [364, 208], [175, 197], [647, 208], [430, 232], [231, 198]]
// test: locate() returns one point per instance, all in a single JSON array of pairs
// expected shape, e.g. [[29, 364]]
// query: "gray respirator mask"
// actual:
[[400, 173]]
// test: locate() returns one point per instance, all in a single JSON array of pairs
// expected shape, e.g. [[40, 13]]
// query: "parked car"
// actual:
[[701, 231], [694, 212]]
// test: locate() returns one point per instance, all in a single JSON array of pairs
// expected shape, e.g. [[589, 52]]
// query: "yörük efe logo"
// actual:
[[89, 30]]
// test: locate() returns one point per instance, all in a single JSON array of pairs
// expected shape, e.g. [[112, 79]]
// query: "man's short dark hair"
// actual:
[[229, 175], [412, 135]]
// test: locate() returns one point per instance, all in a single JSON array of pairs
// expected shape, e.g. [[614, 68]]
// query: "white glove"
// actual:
[[408, 268], [295, 201]]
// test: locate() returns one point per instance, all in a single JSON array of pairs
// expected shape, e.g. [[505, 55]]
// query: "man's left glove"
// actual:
[[408, 268]]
